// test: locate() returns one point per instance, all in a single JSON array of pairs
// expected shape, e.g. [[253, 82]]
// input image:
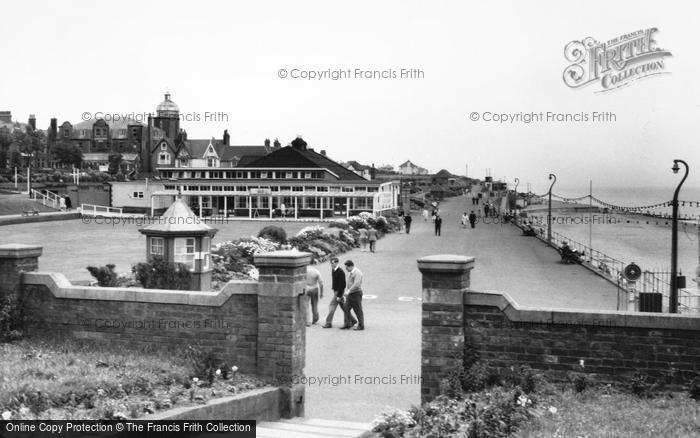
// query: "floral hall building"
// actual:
[[290, 182]]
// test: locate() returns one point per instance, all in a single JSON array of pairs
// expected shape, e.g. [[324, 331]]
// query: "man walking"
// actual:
[[407, 220], [354, 296], [314, 286], [338, 285], [472, 219], [372, 236], [438, 225]]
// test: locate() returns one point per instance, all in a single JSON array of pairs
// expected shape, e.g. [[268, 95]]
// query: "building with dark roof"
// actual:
[[293, 181]]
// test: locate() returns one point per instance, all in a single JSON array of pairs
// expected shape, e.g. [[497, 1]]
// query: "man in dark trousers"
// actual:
[[338, 286], [354, 296], [438, 224], [472, 219], [407, 220]]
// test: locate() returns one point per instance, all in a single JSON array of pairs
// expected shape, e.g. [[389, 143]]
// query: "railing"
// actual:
[[48, 199], [650, 281], [100, 210]]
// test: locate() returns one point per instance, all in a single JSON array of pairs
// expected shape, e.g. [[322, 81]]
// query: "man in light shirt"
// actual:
[[354, 296], [314, 287]]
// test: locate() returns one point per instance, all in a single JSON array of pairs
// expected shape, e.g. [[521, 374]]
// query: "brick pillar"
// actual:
[[281, 348], [16, 258], [445, 279]]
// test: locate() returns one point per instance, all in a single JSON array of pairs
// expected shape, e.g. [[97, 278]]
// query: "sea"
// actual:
[[635, 237]]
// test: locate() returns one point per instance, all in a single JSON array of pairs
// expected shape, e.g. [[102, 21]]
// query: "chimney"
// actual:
[[267, 143], [53, 129], [299, 143], [6, 116], [323, 152], [372, 173], [277, 144], [32, 121], [227, 138]]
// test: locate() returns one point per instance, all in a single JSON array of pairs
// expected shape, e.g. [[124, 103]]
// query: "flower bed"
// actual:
[[233, 260], [60, 379]]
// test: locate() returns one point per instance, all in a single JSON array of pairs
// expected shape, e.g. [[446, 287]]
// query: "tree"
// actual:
[[115, 161], [67, 153], [3, 158]]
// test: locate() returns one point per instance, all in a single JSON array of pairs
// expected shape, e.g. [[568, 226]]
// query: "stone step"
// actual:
[[310, 428]]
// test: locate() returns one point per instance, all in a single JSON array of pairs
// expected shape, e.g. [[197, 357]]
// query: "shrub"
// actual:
[[105, 275], [160, 274], [693, 388], [273, 233], [11, 319], [204, 364]]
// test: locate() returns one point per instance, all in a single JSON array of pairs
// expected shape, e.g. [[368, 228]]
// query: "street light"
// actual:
[[673, 298], [517, 181], [549, 209]]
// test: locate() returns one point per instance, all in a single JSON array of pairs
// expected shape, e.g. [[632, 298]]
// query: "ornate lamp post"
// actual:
[[673, 297], [549, 209]]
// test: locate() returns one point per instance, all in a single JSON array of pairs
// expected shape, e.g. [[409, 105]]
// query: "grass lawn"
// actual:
[[72, 379], [15, 204], [606, 412], [70, 246]]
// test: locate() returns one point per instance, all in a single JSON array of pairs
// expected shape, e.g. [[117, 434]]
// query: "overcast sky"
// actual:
[[64, 59]]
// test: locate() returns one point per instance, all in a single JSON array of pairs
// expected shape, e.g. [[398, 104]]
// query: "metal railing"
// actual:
[[649, 282], [46, 198]]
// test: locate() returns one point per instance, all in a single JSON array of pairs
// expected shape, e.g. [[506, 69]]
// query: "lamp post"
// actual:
[[673, 297], [515, 206], [549, 209]]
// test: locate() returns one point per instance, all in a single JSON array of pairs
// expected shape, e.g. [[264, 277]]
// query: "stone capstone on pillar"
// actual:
[[16, 258], [445, 280]]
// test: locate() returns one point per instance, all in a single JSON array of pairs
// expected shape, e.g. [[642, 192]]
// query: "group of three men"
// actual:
[[347, 294]]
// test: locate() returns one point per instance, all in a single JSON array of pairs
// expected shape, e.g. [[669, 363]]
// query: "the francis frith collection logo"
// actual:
[[616, 62]]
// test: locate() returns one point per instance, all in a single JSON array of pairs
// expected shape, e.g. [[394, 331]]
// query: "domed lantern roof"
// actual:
[[167, 108]]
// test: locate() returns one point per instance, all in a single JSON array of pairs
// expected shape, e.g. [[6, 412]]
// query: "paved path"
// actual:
[[378, 367]]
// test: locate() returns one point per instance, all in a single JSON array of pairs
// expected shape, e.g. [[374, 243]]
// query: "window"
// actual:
[[241, 202], [285, 188], [240, 174], [372, 189], [137, 195], [212, 162], [184, 251], [263, 174], [163, 147], [297, 189], [157, 246], [183, 162], [322, 189], [347, 189], [217, 188], [288, 175], [307, 175], [241, 188], [215, 174], [274, 189], [164, 158], [335, 189]]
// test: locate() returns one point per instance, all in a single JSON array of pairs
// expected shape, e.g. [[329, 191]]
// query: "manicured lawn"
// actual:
[[609, 413], [71, 379], [70, 246]]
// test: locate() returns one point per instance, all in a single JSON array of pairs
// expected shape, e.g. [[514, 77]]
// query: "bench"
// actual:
[[30, 211]]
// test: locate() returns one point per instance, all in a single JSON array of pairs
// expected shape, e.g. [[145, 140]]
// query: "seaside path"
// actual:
[[367, 371]]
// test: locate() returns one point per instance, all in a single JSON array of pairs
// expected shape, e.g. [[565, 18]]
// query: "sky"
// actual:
[[66, 59]]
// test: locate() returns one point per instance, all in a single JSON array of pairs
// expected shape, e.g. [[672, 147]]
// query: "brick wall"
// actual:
[[612, 345], [229, 328], [258, 326]]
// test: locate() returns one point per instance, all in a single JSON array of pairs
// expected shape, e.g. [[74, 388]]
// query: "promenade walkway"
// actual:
[[367, 371]]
